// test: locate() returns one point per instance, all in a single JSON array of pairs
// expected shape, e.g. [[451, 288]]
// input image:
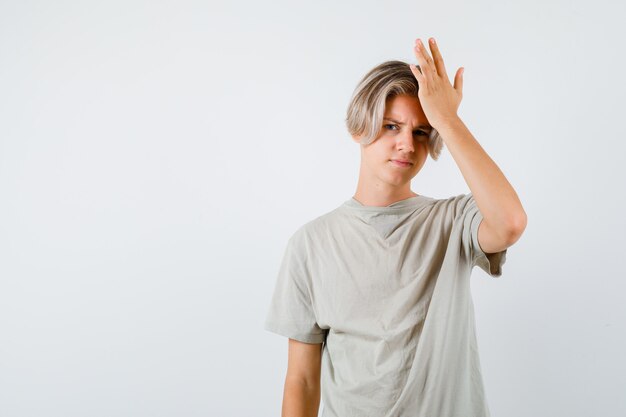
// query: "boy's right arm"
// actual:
[[301, 397]]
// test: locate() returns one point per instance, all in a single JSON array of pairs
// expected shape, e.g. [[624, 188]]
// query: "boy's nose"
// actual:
[[406, 141]]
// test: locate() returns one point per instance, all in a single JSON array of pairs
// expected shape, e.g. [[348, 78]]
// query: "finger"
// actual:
[[417, 73], [421, 49], [427, 68], [458, 80], [438, 58], [417, 70]]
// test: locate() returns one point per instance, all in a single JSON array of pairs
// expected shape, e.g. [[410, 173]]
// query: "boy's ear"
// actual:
[[357, 139]]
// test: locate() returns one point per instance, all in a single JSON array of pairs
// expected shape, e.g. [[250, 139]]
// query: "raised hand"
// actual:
[[438, 98]]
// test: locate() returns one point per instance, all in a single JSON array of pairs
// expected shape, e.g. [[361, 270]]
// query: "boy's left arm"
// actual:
[[504, 218]]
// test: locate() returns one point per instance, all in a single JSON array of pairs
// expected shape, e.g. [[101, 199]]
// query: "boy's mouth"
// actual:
[[401, 163]]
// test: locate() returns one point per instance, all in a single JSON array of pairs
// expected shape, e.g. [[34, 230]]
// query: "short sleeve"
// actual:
[[491, 263], [291, 312]]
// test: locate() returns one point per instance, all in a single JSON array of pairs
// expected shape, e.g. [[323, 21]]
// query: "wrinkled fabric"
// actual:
[[387, 291]]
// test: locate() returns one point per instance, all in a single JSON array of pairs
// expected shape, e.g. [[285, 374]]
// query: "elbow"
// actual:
[[517, 227]]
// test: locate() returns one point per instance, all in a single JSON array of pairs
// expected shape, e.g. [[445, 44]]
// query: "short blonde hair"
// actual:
[[367, 106]]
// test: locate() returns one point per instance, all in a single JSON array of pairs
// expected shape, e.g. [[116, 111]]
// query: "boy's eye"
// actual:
[[417, 132]]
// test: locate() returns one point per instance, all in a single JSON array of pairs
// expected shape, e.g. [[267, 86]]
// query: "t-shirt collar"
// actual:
[[410, 202]]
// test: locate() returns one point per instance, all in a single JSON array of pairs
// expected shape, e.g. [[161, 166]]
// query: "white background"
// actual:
[[156, 156]]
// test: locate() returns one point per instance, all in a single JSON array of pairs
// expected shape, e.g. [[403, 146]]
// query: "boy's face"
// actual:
[[404, 136]]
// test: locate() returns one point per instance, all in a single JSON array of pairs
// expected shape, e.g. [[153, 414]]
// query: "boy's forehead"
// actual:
[[403, 109]]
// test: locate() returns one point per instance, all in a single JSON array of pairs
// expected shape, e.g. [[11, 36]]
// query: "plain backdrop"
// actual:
[[155, 156]]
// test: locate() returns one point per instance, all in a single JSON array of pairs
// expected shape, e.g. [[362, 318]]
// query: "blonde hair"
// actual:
[[367, 106]]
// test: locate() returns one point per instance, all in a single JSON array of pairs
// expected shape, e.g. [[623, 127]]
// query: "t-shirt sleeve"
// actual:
[[491, 263], [291, 312]]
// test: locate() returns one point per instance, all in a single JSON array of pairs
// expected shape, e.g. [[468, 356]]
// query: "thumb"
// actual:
[[458, 80]]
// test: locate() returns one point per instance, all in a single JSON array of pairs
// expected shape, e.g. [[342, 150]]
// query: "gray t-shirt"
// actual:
[[387, 290]]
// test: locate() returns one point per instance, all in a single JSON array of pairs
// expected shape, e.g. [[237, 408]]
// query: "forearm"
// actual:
[[300, 399], [495, 197]]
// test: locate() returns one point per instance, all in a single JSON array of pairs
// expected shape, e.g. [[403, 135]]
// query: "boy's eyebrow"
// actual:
[[397, 122]]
